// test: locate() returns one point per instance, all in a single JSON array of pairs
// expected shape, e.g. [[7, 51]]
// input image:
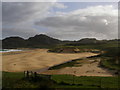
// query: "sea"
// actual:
[[9, 50]]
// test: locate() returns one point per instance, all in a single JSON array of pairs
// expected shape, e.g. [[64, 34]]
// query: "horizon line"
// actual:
[[57, 38]]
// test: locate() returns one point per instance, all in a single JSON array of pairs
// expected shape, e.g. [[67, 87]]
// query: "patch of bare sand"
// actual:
[[36, 59], [88, 69]]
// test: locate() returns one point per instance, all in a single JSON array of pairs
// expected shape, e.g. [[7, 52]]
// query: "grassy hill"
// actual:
[[44, 41], [38, 41]]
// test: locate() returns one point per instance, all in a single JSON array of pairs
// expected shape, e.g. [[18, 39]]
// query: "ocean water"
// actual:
[[9, 50]]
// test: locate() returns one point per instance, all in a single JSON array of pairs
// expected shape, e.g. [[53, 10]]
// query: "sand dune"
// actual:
[[36, 59], [88, 69]]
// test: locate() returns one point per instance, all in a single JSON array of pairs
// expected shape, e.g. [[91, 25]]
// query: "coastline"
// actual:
[[9, 50]]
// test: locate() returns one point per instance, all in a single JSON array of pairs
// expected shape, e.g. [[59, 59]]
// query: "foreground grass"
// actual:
[[85, 81], [17, 80]]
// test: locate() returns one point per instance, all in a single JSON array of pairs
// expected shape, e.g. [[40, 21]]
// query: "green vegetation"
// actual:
[[38, 41], [9, 79], [68, 64], [113, 59], [87, 82], [109, 63], [17, 80], [103, 46]]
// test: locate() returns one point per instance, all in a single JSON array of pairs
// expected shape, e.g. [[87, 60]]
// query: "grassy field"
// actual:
[[17, 80], [83, 81]]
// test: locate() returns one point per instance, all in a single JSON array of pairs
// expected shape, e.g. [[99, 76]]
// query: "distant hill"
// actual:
[[44, 41], [88, 41], [92, 41], [37, 41], [13, 42]]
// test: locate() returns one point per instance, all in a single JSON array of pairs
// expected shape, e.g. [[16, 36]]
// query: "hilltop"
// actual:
[[37, 41], [44, 41]]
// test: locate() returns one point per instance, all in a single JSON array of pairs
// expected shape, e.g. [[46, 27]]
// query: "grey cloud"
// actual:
[[23, 11], [18, 17], [74, 25]]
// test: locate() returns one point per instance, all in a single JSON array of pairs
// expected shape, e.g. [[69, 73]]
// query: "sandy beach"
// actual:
[[89, 68], [36, 59]]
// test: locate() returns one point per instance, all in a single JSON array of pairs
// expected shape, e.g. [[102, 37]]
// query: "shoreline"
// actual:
[[10, 50]]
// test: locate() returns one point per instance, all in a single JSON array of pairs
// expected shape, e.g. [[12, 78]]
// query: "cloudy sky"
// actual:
[[62, 20]]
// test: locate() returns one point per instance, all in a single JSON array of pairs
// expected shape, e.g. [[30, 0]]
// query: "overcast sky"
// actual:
[[62, 20]]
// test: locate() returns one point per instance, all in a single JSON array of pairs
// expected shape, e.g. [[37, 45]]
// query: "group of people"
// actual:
[[30, 74]]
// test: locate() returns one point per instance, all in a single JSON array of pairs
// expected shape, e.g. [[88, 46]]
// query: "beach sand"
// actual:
[[36, 59], [89, 68]]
